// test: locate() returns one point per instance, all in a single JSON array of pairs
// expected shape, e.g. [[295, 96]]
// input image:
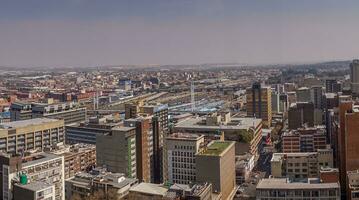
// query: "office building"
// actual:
[[216, 164], [283, 188], [259, 103], [304, 140], [301, 165], [117, 151], [31, 134], [316, 96], [354, 77], [180, 161], [87, 132], [143, 141], [245, 131], [99, 181], [69, 112], [40, 167], [275, 102], [20, 111], [332, 86], [34, 191], [301, 114], [199, 191], [303, 94]]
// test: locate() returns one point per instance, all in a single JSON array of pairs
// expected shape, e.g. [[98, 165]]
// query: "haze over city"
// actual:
[[95, 33]]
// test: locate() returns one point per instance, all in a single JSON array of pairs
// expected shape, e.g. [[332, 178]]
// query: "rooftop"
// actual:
[[38, 158], [235, 124], [35, 186], [150, 188], [24, 123], [284, 183], [216, 148]]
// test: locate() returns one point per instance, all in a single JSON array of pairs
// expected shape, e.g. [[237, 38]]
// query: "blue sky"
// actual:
[[110, 32]]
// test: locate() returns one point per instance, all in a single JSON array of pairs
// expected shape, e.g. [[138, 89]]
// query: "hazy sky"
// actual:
[[106, 32]]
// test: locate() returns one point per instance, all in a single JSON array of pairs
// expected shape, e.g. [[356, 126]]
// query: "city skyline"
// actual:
[[92, 33]]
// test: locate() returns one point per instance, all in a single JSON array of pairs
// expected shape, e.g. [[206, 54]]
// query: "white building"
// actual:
[[181, 149]]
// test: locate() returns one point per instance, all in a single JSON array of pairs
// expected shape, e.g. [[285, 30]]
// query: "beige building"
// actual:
[[283, 188], [259, 103], [180, 161], [353, 185], [216, 164], [148, 191], [301, 165], [31, 134]]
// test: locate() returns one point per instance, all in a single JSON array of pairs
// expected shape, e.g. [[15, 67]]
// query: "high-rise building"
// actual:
[[143, 146], [180, 161], [275, 102], [332, 86], [316, 96], [354, 77], [31, 134], [117, 151], [216, 164], [300, 114], [348, 140], [259, 103], [303, 94]]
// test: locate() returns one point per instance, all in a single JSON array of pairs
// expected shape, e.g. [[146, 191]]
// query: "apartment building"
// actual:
[[180, 160], [304, 140], [301, 165], [284, 188], [40, 167], [353, 185], [301, 114], [31, 134], [77, 158]]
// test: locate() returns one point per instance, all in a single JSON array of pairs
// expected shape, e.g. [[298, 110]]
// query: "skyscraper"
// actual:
[[354, 77], [259, 103]]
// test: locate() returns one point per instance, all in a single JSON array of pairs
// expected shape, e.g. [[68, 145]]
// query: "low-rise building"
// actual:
[[301, 165], [100, 182], [283, 188], [34, 191]]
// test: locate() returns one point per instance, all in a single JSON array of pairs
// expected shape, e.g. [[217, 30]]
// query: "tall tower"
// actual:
[[259, 103], [354, 77]]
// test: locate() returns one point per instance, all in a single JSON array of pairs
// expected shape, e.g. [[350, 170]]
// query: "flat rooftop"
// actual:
[[235, 124], [38, 158], [215, 148], [35, 186], [284, 183], [184, 136], [24, 123], [150, 188]]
